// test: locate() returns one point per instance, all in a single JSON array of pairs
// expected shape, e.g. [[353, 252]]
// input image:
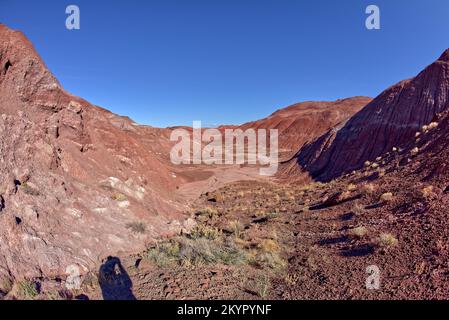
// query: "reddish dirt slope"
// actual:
[[390, 120]]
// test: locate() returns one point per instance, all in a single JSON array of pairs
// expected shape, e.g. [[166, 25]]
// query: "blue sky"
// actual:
[[171, 62]]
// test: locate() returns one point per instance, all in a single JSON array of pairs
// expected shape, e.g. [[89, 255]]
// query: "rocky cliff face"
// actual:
[[390, 120], [73, 177]]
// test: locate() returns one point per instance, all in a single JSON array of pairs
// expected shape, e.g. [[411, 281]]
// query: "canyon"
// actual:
[[362, 182]]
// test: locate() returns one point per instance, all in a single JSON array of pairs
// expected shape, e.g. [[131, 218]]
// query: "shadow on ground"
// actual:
[[114, 281]]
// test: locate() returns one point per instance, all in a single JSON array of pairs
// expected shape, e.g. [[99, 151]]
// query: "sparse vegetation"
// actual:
[[189, 252], [387, 240], [358, 209], [427, 191], [136, 227], [119, 197], [386, 197], [209, 212], [291, 279], [27, 290], [204, 231], [236, 228], [358, 232], [263, 285], [369, 188]]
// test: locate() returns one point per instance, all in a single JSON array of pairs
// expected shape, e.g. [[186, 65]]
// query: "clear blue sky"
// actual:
[[228, 61]]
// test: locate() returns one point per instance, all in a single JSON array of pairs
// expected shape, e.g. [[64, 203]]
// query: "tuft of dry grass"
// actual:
[[236, 228], [358, 232], [119, 197], [386, 197], [387, 240], [368, 188], [358, 209], [27, 290], [204, 231], [136, 227], [208, 211], [269, 246], [427, 191]]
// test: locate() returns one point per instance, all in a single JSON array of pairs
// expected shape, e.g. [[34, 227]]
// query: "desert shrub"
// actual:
[[291, 279], [136, 227], [263, 285], [268, 245], [386, 197], [267, 256], [427, 191], [387, 240], [204, 231], [164, 254], [358, 232], [27, 290], [236, 228], [208, 211], [120, 197], [358, 209], [194, 252]]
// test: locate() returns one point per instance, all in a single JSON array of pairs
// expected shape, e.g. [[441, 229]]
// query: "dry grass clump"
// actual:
[[236, 228], [136, 227], [263, 285], [387, 240], [386, 197], [427, 191], [358, 232], [267, 256], [27, 290], [204, 231], [188, 252], [119, 197], [352, 187], [208, 211], [358, 209], [368, 188]]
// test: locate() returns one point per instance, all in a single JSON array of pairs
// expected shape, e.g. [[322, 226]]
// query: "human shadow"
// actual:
[[114, 281]]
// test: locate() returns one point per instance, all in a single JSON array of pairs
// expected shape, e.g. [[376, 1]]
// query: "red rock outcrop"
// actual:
[[390, 120], [73, 176]]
